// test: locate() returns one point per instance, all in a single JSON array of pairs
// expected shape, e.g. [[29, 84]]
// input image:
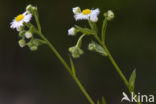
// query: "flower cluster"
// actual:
[[91, 15], [26, 30]]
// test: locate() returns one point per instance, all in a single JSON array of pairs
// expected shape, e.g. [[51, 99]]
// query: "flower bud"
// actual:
[[94, 18], [76, 10], [33, 48], [76, 51], [22, 43], [19, 29], [21, 33], [92, 47], [72, 31], [28, 34], [109, 15], [30, 8]]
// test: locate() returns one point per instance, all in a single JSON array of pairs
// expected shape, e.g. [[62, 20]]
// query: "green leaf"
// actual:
[[98, 102], [103, 100], [132, 80], [93, 46], [85, 30], [72, 66]]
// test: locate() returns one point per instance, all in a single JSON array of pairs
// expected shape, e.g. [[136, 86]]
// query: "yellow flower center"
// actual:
[[19, 17], [86, 11]]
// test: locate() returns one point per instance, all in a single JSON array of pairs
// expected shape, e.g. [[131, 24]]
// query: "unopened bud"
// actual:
[[28, 34], [76, 10], [76, 51], [22, 43], [33, 48], [72, 31], [109, 15]]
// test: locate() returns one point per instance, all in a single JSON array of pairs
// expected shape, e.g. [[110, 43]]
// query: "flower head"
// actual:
[[72, 31], [20, 19], [88, 14]]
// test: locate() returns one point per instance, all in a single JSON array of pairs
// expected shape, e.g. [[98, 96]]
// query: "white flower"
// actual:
[[28, 35], [72, 31], [20, 19], [87, 14], [76, 10]]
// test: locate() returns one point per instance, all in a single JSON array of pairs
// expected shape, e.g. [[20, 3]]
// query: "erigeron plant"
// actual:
[[33, 37]]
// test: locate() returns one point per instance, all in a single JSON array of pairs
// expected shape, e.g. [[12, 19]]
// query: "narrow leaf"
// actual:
[[103, 100], [93, 46], [85, 30], [72, 66], [132, 80]]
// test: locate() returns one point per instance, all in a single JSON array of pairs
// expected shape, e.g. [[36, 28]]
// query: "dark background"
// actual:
[[39, 78]]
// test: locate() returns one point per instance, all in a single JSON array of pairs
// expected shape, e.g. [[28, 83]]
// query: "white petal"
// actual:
[[94, 18], [27, 18], [95, 12], [80, 16], [17, 24]]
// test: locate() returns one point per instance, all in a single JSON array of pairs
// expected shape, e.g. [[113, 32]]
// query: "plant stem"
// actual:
[[63, 62], [104, 26], [69, 70], [116, 66]]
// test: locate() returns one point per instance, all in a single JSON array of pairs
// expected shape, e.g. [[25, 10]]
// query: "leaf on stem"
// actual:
[[72, 66], [85, 30], [93, 46], [132, 80]]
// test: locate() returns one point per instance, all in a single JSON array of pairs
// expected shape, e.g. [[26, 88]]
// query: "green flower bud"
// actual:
[[34, 44], [31, 9], [21, 33], [19, 29], [76, 51], [33, 48], [109, 15], [76, 10], [22, 43], [92, 47]]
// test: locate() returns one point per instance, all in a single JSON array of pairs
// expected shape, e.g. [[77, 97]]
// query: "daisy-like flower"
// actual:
[[20, 19], [88, 14]]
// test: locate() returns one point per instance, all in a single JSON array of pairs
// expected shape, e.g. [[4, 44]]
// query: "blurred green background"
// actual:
[[39, 78]]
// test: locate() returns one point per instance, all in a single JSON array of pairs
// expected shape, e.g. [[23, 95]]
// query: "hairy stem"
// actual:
[[116, 66], [63, 62]]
